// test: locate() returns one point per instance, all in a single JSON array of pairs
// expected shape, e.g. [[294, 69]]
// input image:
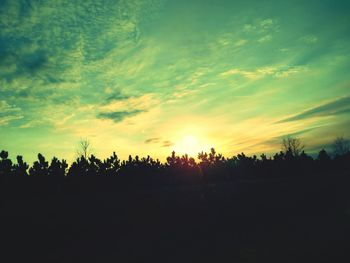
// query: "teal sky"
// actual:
[[149, 76]]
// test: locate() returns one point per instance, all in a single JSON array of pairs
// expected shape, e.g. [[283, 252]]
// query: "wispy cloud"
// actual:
[[158, 141], [274, 71], [123, 102], [9, 113], [336, 107], [4, 120], [117, 96], [167, 144], [266, 23], [153, 140], [240, 42], [309, 39], [265, 39], [118, 116]]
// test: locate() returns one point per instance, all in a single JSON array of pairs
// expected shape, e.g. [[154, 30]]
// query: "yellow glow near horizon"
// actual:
[[188, 144]]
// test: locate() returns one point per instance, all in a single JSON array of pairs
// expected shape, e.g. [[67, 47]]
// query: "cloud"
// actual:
[[290, 71], [6, 107], [336, 107], [244, 73], [118, 116], [9, 113], [152, 140], [120, 102], [167, 144], [265, 39], [31, 124], [266, 23], [248, 27], [34, 61], [158, 141], [260, 26], [4, 120], [117, 95], [22, 62], [298, 133], [309, 39], [240, 43], [275, 71]]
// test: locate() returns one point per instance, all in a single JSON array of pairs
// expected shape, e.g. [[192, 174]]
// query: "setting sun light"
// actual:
[[188, 144]]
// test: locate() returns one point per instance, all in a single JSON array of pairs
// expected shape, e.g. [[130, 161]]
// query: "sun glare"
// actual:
[[188, 144]]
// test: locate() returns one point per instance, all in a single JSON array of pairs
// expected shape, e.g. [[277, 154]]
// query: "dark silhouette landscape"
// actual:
[[286, 208], [174, 131]]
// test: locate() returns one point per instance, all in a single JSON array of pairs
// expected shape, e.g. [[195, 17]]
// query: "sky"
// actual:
[[151, 76]]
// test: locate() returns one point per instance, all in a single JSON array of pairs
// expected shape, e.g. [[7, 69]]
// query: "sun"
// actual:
[[188, 144]]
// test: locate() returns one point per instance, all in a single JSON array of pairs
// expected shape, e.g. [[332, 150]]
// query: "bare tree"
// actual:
[[340, 146], [292, 145], [84, 148]]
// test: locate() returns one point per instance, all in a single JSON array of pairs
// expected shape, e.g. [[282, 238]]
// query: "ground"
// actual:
[[292, 219]]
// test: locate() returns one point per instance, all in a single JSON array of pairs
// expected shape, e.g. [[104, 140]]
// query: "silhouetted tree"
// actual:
[[40, 167], [340, 146], [304, 161], [79, 167], [323, 161], [292, 146], [20, 169], [5, 164], [212, 164], [110, 166], [323, 156], [292, 160], [94, 165], [57, 167], [84, 148]]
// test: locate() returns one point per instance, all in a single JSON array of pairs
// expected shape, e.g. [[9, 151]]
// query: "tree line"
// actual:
[[292, 159]]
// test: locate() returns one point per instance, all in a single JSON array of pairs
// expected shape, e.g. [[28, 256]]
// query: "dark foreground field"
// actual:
[[290, 219]]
